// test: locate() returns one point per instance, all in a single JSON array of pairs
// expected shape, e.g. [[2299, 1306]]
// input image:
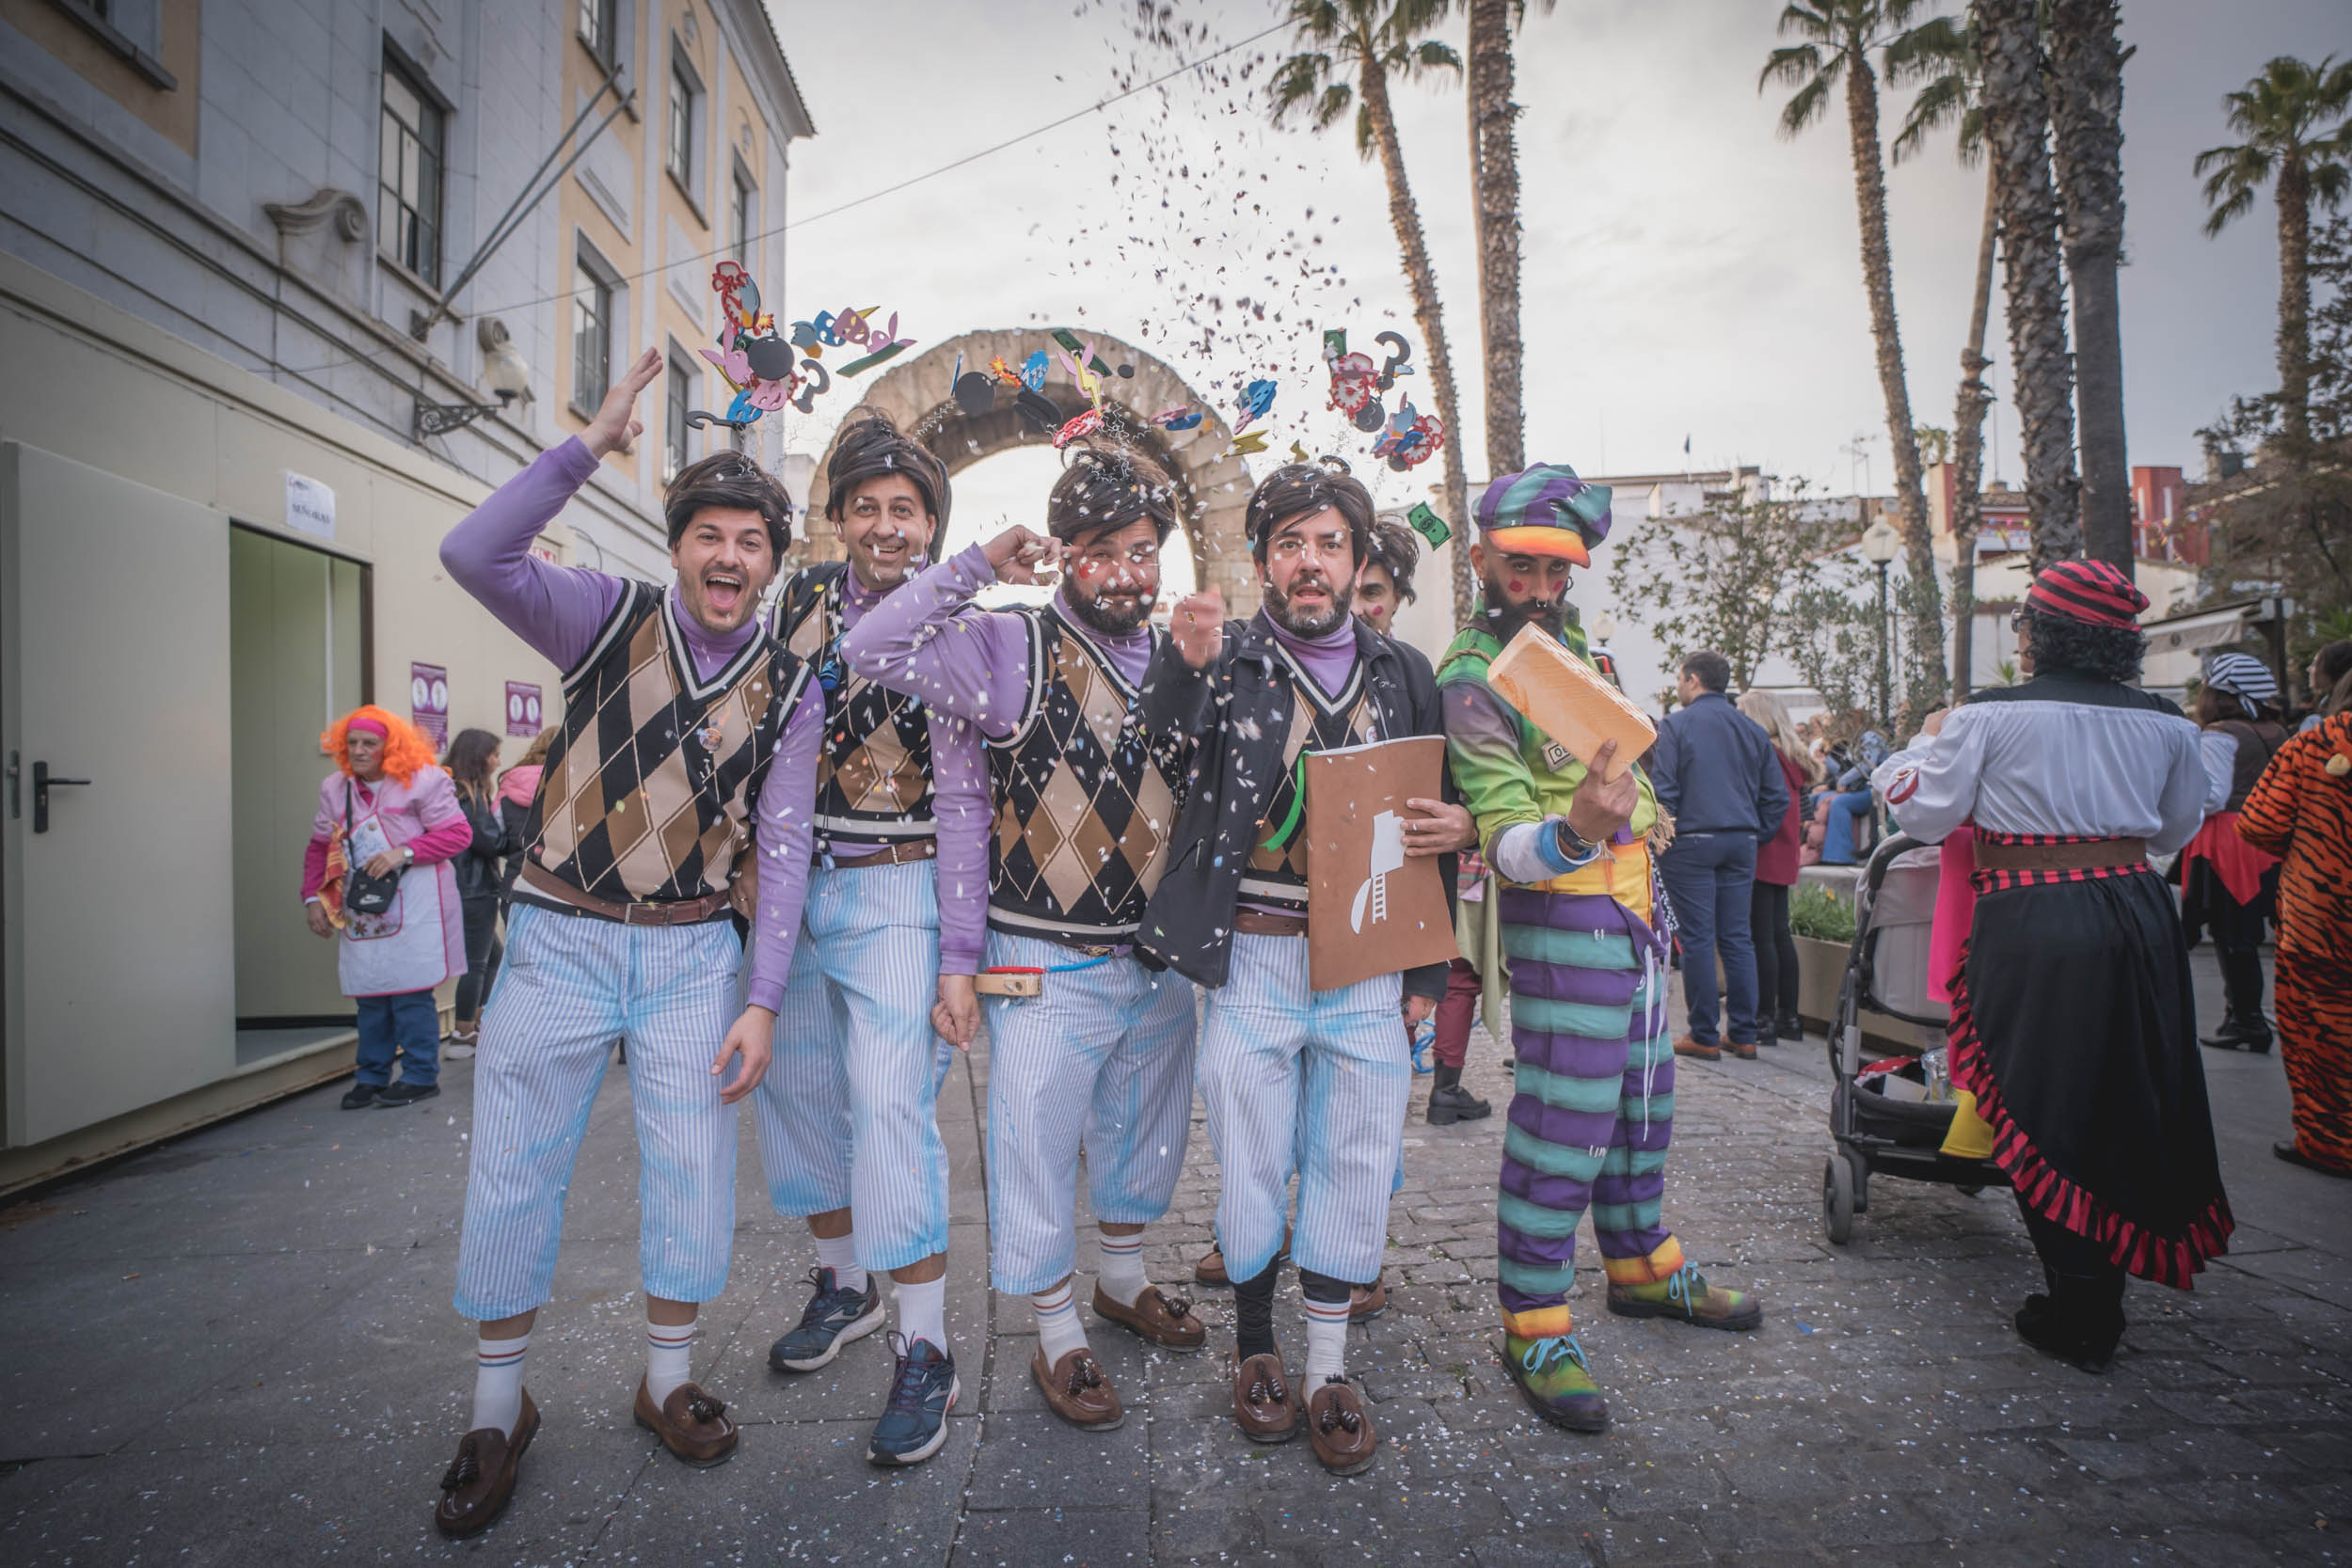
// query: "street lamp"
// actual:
[[1604, 627], [1879, 544]]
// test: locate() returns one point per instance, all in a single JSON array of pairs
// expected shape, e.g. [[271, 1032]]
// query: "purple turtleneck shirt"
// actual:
[[973, 665], [557, 610], [959, 801], [1328, 659]]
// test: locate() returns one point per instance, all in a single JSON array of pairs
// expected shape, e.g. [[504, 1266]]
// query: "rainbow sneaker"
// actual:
[[1686, 1295], [1554, 1380]]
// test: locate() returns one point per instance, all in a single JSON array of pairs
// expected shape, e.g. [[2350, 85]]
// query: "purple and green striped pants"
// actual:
[[1593, 1109]]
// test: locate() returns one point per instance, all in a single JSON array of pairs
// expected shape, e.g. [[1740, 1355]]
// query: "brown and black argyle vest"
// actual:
[[1085, 799], [874, 772], [650, 784], [1276, 877]]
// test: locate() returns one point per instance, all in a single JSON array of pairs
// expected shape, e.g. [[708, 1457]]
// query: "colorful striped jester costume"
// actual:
[[1593, 1110]]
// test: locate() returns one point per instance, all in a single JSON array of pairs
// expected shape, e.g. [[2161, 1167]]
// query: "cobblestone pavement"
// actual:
[[238, 1349]]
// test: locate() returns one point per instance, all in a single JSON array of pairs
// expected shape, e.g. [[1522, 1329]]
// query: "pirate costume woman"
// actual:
[[2072, 1024]]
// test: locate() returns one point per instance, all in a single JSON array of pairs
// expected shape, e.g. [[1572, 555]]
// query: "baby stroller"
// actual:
[[1891, 1114]]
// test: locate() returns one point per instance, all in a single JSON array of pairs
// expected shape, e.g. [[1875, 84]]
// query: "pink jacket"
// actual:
[[422, 814]]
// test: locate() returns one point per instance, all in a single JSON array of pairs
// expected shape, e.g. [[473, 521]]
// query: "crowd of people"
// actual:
[[794, 850]]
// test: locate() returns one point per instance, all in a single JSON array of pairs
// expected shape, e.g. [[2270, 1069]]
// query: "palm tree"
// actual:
[[1495, 191], [1355, 46], [2086, 64], [1941, 51], [2283, 113], [2017, 128], [1838, 38]]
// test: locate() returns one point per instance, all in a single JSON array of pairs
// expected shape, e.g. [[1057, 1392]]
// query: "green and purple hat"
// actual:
[[1545, 511]]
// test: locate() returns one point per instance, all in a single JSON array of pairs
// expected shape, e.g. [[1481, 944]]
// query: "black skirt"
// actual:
[[2074, 1024]]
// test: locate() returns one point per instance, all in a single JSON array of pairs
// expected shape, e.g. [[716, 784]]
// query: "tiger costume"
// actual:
[[2300, 809]]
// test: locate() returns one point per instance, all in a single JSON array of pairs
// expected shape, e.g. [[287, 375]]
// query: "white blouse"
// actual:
[[2051, 767]]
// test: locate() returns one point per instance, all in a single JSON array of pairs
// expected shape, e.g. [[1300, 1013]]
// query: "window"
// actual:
[[676, 439], [740, 218], [409, 200], [599, 28], [684, 109], [592, 336]]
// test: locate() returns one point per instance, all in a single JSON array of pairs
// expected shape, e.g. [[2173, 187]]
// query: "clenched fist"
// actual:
[[1198, 626], [1022, 555]]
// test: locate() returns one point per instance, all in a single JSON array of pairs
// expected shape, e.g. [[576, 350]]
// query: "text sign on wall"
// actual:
[[524, 710], [428, 702], [310, 507]]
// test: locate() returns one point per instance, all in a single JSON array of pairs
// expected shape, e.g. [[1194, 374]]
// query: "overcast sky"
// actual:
[[1686, 272]]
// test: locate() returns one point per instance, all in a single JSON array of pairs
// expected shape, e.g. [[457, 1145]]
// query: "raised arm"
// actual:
[[1178, 685], [969, 665], [556, 609]]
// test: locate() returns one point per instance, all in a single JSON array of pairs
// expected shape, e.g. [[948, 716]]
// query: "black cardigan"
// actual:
[[1239, 711]]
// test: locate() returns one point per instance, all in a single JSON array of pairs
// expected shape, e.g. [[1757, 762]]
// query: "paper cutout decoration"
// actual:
[[1410, 440], [1033, 371], [1003, 372], [1400, 359], [1299, 454], [1244, 445], [1255, 399], [1085, 424], [1037, 408], [1370, 910], [974, 392], [1179, 418], [1083, 352], [755, 361], [1428, 524], [1353, 381]]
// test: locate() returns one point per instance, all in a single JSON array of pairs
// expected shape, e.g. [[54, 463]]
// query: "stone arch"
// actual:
[[1213, 485]]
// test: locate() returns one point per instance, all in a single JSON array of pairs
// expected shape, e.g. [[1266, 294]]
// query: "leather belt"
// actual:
[[904, 852], [2097, 854], [1258, 922], [554, 892]]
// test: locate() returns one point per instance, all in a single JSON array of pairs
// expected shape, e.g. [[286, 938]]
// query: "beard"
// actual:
[[1310, 623], [1505, 619], [1113, 615]]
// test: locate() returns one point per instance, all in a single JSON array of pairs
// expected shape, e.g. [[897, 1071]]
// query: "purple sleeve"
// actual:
[[556, 609], [959, 800], [973, 665], [782, 833]]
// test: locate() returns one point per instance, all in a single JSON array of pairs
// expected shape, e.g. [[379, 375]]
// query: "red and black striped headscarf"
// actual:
[[2091, 591]]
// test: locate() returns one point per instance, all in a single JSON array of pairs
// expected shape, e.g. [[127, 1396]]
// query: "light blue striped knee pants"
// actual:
[[848, 1113], [569, 988], [1103, 1058], [1315, 1079]]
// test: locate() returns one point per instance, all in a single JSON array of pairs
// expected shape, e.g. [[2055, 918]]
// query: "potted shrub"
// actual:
[[1823, 926]]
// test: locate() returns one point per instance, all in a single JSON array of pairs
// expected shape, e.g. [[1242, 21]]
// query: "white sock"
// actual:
[[1326, 1341], [1120, 1276], [923, 1312], [669, 1356], [839, 1254], [497, 1383], [1058, 1331]]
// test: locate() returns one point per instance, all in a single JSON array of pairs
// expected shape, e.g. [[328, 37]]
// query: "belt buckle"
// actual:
[[1097, 949]]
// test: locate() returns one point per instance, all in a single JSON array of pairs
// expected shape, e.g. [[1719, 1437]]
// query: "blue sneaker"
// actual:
[[835, 1316], [915, 1425]]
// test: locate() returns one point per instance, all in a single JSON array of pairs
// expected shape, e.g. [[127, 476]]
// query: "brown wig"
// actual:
[[1298, 489], [731, 482], [871, 445], [1107, 484], [1395, 549]]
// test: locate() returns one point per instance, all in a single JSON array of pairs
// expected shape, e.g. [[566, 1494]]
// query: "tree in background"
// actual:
[[1352, 48], [2286, 115], [1942, 54], [2017, 128], [2086, 65], [1838, 38], [1722, 578], [1495, 192]]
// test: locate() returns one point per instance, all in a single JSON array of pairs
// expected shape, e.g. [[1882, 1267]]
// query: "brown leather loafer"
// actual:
[[478, 1482], [1163, 1319], [1078, 1390], [1261, 1400], [691, 1425], [1744, 1050], [1368, 1301], [1697, 1050], [1339, 1429], [1210, 1269]]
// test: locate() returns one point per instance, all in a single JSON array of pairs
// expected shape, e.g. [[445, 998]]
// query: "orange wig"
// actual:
[[404, 749]]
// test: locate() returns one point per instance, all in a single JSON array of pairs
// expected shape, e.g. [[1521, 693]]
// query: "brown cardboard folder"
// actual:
[[1370, 911], [1569, 701]]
